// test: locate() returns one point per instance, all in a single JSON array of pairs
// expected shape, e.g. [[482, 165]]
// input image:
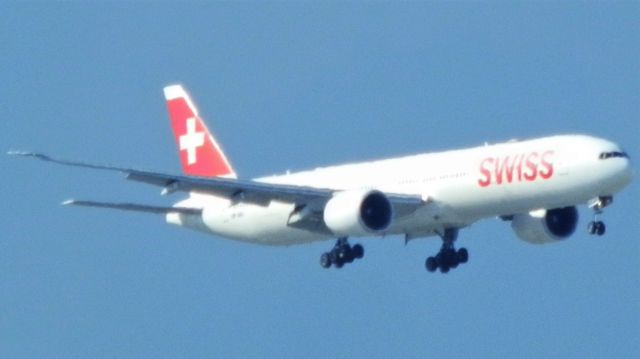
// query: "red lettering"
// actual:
[[532, 164], [520, 158], [547, 165], [498, 171], [508, 168], [516, 168], [484, 182]]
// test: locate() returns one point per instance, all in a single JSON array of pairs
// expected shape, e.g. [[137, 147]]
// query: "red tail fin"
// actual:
[[200, 155]]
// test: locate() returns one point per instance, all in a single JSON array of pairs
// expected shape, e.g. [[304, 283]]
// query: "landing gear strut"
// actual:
[[596, 226], [448, 257], [341, 254]]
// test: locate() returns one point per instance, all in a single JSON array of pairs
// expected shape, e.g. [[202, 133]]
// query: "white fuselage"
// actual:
[[464, 186]]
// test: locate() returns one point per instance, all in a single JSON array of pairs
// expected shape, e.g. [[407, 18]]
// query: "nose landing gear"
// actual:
[[597, 227]]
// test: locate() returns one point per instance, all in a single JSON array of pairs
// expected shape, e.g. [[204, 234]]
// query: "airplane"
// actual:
[[535, 184]]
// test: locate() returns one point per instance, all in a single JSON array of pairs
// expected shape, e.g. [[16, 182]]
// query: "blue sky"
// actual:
[[289, 86]]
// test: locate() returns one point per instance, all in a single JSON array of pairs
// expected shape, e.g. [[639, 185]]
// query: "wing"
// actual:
[[309, 201], [245, 191]]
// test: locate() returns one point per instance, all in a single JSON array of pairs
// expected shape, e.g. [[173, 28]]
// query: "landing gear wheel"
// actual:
[[463, 255], [344, 255], [358, 251], [452, 258], [325, 261], [431, 264], [444, 269], [443, 262], [597, 227]]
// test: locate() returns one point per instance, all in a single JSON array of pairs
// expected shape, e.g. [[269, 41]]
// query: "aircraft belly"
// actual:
[[257, 224]]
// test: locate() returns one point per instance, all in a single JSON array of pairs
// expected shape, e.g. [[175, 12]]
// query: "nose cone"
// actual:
[[620, 172], [626, 173], [616, 166]]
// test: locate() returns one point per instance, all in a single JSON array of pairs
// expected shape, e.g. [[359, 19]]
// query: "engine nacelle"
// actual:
[[546, 225], [358, 213]]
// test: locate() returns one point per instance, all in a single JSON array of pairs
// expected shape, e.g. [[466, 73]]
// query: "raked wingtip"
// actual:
[[29, 154]]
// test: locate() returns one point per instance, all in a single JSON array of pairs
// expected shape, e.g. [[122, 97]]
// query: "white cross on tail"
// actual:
[[191, 140]]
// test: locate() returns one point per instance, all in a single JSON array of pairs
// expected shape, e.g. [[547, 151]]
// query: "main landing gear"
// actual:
[[596, 226], [341, 253], [448, 257]]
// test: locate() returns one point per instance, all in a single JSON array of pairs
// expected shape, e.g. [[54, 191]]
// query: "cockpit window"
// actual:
[[605, 155]]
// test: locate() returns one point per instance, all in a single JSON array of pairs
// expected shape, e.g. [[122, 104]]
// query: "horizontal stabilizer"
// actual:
[[133, 207]]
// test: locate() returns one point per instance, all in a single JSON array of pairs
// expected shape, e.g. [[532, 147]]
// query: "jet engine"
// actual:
[[545, 225], [358, 213]]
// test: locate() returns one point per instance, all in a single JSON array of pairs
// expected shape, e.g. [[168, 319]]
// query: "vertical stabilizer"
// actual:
[[200, 154]]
